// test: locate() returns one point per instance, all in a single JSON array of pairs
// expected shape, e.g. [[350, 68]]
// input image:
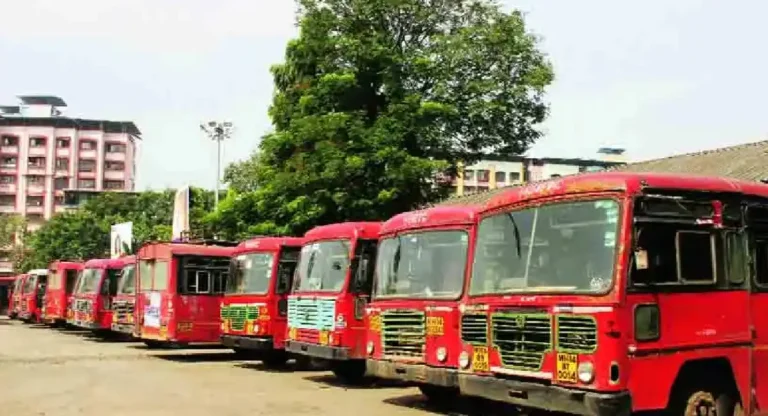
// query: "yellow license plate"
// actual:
[[480, 359], [567, 367], [323, 338]]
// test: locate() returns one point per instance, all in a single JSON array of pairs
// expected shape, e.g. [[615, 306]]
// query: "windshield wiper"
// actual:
[[517, 233]]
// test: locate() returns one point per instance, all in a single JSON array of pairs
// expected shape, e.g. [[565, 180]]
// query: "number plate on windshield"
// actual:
[[567, 366]]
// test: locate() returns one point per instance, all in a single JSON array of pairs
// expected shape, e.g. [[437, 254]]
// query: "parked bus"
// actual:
[[14, 304], [612, 293], [125, 301], [62, 276], [180, 289], [254, 309], [414, 320], [95, 292], [332, 287], [32, 293]]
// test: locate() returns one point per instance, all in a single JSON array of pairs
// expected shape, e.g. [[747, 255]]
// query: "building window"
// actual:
[[7, 200], [114, 148], [62, 163], [36, 162], [7, 179], [58, 200], [8, 162], [114, 184], [514, 176], [35, 201], [37, 142], [86, 183], [87, 145], [61, 183], [35, 179], [86, 165], [10, 141], [114, 165], [483, 175], [469, 174], [62, 143], [501, 176]]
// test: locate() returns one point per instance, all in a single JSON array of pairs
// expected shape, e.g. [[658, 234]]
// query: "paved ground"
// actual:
[[64, 373]]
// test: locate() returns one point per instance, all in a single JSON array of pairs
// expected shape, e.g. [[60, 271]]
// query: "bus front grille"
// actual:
[[403, 333], [522, 338]]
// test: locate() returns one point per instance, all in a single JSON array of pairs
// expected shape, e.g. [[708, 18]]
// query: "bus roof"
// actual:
[[38, 272], [166, 250], [66, 264], [448, 215], [267, 244], [117, 263], [627, 182], [344, 230]]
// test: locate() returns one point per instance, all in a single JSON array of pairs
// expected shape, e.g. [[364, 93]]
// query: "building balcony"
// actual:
[[116, 175], [9, 169], [114, 157], [87, 175], [35, 209], [7, 209], [63, 152], [6, 266], [8, 188], [87, 154], [35, 189], [59, 209], [9, 150], [38, 151], [36, 170]]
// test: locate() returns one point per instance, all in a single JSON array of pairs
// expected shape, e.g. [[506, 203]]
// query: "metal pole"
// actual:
[[218, 170]]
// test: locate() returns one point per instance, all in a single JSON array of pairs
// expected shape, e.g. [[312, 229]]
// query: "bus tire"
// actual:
[[438, 394], [350, 372], [154, 345], [275, 359], [303, 363]]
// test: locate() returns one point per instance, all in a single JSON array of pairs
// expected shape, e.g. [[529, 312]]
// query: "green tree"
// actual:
[[376, 100], [11, 225]]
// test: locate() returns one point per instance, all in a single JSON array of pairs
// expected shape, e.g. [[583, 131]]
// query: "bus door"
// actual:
[[201, 281], [757, 226]]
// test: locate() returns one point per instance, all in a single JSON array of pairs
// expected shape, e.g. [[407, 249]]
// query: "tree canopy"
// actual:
[[376, 102]]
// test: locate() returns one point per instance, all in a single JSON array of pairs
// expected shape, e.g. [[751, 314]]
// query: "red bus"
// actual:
[[332, 287], [18, 287], [62, 276], [96, 289], [414, 320], [14, 286], [125, 301], [255, 306], [613, 293], [180, 288], [32, 293]]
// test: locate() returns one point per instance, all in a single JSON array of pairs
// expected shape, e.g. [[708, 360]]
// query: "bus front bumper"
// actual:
[[87, 325], [247, 343], [416, 373], [547, 397], [122, 328], [318, 351]]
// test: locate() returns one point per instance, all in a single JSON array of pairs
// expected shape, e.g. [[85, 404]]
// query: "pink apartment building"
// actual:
[[42, 153]]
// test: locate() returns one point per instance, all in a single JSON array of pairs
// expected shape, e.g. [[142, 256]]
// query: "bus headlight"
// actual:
[[442, 354], [256, 328], [586, 372], [369, 347], [464, 360]]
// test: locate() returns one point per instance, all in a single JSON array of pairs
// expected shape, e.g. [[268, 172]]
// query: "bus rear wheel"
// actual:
[[275, 359], [706, 402], [439, 394], [350, 372]]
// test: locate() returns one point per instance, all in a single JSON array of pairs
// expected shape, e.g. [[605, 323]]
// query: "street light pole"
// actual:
[[217, 131]]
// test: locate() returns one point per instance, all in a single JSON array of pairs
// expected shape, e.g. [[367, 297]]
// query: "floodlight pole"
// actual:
[[218, 131]]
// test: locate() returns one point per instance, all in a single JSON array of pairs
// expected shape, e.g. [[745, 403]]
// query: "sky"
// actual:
[[656, 77]]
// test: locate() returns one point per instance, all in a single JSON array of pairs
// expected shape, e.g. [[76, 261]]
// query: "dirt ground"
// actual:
[[55, 372]]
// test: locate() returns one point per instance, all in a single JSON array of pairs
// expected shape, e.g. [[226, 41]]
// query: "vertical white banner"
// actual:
[[121, 239], [180, 213]]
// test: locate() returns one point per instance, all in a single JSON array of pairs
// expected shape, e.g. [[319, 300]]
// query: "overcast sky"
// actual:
[[656, 77]]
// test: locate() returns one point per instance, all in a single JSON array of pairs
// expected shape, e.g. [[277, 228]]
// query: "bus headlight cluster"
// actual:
[[464, 360], [369, 347], [442, 354], [586, 372]]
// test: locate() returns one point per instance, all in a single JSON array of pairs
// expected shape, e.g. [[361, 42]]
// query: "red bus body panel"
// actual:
[[346, 339], [726, 325], [93, 310], [271, 324], [443, 334], [14, 306], [30, 310], [181, 318], [56, 299]]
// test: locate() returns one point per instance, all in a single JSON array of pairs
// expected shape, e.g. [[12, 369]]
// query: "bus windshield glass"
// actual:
[[29, 284], [323, 266], [567, 247], [89, 281], [127, 285], [422, 265], [250, 273]]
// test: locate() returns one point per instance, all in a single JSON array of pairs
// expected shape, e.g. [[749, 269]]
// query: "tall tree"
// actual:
[[377, 99]]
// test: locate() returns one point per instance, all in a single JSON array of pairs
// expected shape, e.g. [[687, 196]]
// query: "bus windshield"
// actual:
[[29, 284], [127, 285], [323, 266], [89, 281], [250, 273], [567, 247], [422, 265]]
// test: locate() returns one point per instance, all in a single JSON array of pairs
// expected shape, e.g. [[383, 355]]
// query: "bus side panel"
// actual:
[[149, 308], [197, 318], [760, 353]]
